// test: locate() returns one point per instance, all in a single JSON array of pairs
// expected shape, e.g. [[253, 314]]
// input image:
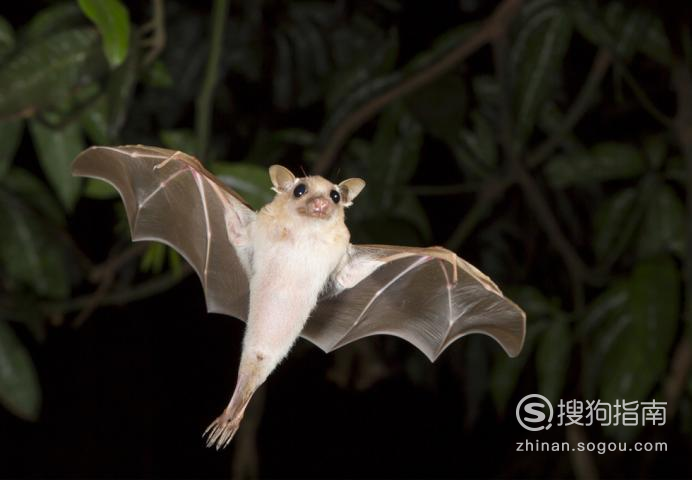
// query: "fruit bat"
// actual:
[[289, 270]]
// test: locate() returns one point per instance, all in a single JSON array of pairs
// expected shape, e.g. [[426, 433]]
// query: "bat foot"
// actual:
[[221, 431]]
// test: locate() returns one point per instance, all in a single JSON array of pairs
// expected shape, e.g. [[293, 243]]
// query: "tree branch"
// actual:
[[582, 461], [116, 262], [128, 294], [682, 357], [443, 190], [676, 380], [104, 274], [581, 104], [157, 41], [478, 211], [536, 201], [203, 105], [644, 99], [496, 24]]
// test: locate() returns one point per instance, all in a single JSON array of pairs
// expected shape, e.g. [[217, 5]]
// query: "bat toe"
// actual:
[[221, 431]]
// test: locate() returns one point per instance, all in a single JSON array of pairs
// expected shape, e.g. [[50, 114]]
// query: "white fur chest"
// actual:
[[299, 250]]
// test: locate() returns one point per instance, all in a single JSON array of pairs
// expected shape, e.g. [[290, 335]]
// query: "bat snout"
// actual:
[[319, 207]]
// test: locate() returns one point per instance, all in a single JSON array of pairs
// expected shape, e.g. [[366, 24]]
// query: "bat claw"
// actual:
[[221, 431]]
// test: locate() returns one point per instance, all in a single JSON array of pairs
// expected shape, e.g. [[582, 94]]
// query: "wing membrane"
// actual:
[[169, 197], [429, 297]]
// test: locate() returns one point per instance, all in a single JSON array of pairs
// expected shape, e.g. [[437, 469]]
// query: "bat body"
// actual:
[[290, 270], [296, 246]]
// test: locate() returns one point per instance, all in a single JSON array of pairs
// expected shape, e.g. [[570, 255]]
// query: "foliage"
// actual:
[[565, 183]]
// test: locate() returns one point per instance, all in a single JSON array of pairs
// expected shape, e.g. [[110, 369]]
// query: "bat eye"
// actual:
[[299, 191], [334, 195]]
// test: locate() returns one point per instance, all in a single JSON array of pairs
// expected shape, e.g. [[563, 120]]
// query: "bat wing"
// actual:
[[171, 198], [427, 296]]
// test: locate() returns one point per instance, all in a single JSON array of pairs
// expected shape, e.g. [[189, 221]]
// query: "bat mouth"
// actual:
[[306, 212]]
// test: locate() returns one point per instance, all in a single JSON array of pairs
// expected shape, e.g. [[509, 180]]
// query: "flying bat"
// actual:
[[289, 269]]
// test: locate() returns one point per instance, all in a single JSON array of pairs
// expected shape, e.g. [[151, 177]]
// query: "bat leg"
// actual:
[[221, 431]]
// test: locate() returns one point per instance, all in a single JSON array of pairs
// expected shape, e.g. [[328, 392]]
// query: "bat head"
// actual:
[[313, 196]]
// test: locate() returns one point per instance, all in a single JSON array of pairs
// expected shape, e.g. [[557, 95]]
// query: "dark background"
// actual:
[[555, 154]]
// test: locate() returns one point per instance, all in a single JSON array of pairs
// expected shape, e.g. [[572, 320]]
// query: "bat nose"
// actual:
[[319, 207]]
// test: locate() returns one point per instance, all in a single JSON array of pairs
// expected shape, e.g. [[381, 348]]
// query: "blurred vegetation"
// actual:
[[549, 142]]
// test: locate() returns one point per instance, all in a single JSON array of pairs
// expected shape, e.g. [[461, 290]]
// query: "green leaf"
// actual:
[[10, 136], [442, 45], [373, 64], [656, 150], [308, 47], [629, 26], [622, 28], [94, 120], [440, 107], [120, 89], [310, 60], [295, 136], [552, 359], [375, 85], [182, 139], [615, 223], [655, 44], [552, 119], [29, 252], [486, 90], [641, 351], [99, 190], [605, 320], [56, 149], [283, 81], [6, 37], [157, 75], [476, 149], [588, 23], [391, 161], [536, 61], [355, 100], [46, 71], [20, 391], [25, 309], [609, 304], [154, 258], [395, 150], [35, 194], [113, 21], [605, 161], [410, 209], [51, 20], [271, 147], [663, 229], [250, 181], [533, 302], [675, 169]]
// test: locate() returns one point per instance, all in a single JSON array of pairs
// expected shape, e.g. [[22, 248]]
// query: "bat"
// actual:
[[289, 269]]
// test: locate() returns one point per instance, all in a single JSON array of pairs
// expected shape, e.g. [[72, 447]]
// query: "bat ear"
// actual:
[[350, 189], [281, 177]]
